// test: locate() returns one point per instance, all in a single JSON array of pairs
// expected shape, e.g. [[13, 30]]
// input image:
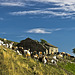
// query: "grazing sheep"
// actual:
[[1, 42], [7, 45], [63, 53], [53, 61], [36, 57], [55, 58], [47, 59], [60, 56], [19, 52], [4, 44], [11, 45], [27, 53], [15, 48], [44, 60]]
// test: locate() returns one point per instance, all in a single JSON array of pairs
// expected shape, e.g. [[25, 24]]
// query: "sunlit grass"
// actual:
[[13, 64]]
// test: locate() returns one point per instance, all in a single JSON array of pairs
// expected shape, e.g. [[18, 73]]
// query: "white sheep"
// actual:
[[27, 53], [7, 45], [44, 60], [1, 42], [4, 44], [19, 53], [53, 61], [55, 58], [36, 57], [10, 46], [60, 55]]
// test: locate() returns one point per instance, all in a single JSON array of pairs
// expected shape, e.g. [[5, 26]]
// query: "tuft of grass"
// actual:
[[68, 67]]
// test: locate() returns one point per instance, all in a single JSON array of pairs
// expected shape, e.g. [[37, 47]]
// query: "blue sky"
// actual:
[[52, 20]]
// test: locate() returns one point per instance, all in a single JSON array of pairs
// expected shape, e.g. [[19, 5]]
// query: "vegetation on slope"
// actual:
[[69, 67], [13, 64], [73, 50], [8, 41]]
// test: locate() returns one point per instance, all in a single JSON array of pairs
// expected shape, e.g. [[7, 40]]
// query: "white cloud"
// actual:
[[54, 29], [57, 29], [63, 8], [67, 5], [57, 1], [1, 18], [65, 29], [12, 4], [35, 12], [39, 30], [48, 31], [43, 30]]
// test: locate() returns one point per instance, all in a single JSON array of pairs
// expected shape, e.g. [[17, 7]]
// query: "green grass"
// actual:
[[69, 67], [13, 64]]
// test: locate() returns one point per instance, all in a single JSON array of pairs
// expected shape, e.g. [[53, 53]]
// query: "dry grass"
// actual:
[[14, 64]]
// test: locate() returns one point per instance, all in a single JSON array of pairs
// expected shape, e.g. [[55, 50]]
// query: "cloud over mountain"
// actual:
[[42, 30]]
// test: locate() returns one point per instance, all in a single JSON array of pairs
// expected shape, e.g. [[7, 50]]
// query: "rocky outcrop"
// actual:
[[32, 45]]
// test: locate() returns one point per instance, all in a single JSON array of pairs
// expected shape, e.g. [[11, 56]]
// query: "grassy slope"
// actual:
[[8, 41], [13, 64], [69, 67]]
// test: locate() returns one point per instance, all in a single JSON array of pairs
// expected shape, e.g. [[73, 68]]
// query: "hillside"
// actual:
[[8, 41], [13, 64]]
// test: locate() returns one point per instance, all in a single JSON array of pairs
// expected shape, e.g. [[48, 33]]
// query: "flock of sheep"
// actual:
[[10, 45], [40, 56]]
